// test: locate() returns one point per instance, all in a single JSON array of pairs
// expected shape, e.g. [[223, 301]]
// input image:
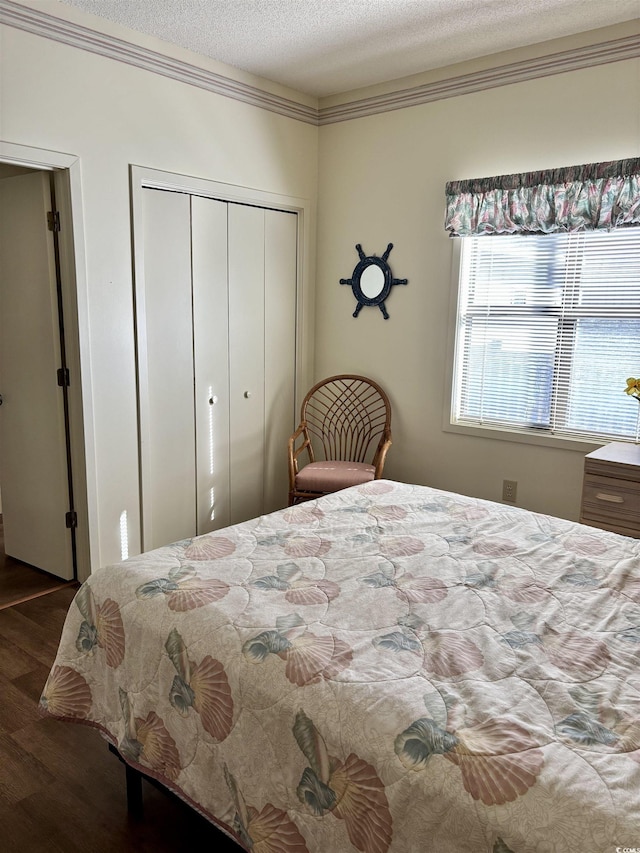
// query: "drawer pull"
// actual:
[[612, 499]]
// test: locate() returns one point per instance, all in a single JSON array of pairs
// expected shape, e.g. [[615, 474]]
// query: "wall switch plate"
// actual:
[[509, 491]]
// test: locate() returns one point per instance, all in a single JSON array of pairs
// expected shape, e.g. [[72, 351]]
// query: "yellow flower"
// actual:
[[633, 387]]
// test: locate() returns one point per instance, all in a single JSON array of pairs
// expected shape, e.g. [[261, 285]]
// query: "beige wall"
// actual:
[[382, 180], [111, 115]]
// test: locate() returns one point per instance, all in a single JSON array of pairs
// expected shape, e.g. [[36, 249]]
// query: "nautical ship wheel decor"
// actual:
[[372, 280]]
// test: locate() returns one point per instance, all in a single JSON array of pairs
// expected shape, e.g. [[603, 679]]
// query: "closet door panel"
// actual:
[[216, 312], [281, 234], [246, 360], [165, 360], [211, 361]]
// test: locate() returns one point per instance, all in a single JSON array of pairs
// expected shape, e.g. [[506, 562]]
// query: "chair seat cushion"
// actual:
[[332, 476]]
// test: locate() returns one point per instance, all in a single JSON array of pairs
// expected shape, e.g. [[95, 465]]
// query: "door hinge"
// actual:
[[71, 519], [53, 220], [63, 377]]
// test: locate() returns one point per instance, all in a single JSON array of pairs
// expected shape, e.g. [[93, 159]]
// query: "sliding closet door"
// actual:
[[262, 335], [211, 361], [216, 324], [165, 364], [281, 240], [246, 360]]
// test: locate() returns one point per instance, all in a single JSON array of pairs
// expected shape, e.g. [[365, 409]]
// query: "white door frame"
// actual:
[[66, 168], [146, 178]]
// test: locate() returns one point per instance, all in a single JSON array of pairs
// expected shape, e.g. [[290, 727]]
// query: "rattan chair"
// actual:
[[344, 432]]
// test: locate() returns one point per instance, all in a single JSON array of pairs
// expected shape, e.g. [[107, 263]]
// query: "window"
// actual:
[[548, 330]]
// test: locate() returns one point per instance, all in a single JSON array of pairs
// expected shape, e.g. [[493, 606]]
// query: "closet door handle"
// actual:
[[213, 400], [247, 394]]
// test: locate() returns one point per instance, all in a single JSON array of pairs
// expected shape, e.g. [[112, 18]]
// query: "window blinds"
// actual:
[[548, 332]]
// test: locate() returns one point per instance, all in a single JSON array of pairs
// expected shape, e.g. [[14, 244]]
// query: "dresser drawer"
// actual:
[[607, 499]]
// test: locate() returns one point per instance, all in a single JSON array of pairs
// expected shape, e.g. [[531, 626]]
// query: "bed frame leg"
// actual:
[[133, 779], [134, 793]]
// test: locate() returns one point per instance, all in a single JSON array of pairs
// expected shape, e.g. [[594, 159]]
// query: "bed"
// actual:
[[388, 668]]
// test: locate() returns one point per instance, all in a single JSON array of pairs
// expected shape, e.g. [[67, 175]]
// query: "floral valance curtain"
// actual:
[[577, 198]]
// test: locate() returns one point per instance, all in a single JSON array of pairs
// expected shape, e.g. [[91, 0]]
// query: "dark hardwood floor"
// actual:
[[61, 790]]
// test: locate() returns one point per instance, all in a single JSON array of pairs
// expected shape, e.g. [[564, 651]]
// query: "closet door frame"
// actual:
[[142, 178]]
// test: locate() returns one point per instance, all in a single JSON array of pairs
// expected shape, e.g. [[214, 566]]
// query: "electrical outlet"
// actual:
[[509, 491]]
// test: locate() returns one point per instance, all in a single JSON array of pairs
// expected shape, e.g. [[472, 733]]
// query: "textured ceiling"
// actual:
[[323, 47]]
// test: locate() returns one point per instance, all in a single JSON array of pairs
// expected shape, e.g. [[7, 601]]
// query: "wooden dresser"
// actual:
[[611, 489]]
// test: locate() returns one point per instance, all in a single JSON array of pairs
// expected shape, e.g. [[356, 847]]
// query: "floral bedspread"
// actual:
[[390, 668]]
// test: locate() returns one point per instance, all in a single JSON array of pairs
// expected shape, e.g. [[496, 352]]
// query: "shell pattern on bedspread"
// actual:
[[389, 669]]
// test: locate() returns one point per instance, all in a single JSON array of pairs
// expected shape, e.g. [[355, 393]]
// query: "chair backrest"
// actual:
[[347, 417]]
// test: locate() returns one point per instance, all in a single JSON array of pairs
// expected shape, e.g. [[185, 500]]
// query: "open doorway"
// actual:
[[20, 582], [37, 481]]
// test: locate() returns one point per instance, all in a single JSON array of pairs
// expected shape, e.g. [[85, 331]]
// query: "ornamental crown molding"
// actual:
[[49, 26], [574, 59]]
